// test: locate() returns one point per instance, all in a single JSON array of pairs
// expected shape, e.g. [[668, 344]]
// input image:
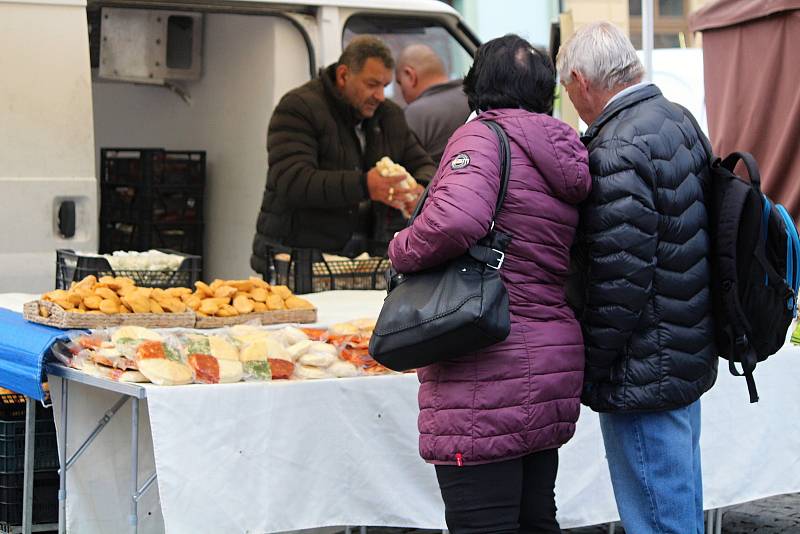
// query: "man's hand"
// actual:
[[411, 199], [385, 189]]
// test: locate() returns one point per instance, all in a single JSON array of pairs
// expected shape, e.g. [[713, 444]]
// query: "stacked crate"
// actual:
[[151, 198], [12, 462]]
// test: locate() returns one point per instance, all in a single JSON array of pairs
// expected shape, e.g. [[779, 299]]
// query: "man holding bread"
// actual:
[[324, 190]]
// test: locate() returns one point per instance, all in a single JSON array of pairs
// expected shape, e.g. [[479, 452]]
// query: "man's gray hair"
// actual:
[[603, 54], [363, 47]]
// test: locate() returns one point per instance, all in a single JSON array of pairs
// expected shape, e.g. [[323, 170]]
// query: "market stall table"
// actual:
[[290, 455]]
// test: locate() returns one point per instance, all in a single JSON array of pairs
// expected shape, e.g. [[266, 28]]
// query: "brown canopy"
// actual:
[[751, 53]]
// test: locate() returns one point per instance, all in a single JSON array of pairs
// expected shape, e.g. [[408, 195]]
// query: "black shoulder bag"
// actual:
[[450, 310]]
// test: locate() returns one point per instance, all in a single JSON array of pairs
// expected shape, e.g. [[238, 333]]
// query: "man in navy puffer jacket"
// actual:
[[643, 256]]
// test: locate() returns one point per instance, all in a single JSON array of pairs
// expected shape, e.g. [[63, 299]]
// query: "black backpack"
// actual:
[[755, 265]]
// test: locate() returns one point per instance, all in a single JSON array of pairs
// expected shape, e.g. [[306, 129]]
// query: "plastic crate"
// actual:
[[12, 408], [45, 497], [72, 267], [12, 446], [132, 204], [186, 238], [307, 272], [152, 167]]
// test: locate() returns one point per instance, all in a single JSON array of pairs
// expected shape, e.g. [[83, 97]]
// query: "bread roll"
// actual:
[[230, 371], [292, 335], [134, 332], [317, 359], [325, 348], [221, 348], [298, 349], [344, 329], [166, 372], [254, 351], [276, 350], [343, 369], [307, 372]]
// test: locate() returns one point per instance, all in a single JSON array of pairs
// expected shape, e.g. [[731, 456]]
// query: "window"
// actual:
[[400, 32], [670, 23]]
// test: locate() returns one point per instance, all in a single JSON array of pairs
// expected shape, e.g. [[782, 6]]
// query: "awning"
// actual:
[[751, 52], [724, 13], [23, 348]]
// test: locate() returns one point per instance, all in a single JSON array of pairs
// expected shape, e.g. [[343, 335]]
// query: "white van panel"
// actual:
[[248, 63], [45, 140]]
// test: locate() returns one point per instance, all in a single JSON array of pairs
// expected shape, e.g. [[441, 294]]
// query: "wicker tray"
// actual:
[[61, 319], [268, 317]]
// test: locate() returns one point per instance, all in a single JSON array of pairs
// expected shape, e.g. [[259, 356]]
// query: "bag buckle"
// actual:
[[500, 259]]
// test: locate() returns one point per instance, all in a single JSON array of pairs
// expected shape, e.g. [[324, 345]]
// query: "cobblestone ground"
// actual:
[[776, 515]]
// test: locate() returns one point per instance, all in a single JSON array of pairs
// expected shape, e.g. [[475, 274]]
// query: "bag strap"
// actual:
[[505, 164], [750, 164], [505, 171]]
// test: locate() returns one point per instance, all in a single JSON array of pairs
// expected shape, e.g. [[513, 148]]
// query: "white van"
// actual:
[[177, 74]]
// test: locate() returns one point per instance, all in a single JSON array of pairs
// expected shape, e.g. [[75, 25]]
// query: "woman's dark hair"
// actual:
[[508, 72]]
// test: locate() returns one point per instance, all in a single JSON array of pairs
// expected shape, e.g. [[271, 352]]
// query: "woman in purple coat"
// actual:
[[492, 421]]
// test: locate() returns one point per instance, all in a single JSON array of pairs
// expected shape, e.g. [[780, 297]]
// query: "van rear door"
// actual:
[[48, 190]]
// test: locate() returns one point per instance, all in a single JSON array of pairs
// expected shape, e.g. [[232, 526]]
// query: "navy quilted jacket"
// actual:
[[643, 256]]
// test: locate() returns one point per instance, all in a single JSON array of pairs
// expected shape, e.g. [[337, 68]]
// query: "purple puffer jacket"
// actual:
[[522, 395]]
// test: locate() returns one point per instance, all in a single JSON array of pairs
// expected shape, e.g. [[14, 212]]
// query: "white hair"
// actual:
[[603, 54]]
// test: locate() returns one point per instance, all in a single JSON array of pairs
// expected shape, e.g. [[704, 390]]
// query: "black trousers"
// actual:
[[510, 497]]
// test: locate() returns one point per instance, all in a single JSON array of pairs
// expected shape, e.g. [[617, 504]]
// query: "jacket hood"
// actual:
[[553, 147]]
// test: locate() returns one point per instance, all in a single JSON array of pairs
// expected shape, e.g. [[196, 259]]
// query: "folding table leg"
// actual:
[[718, 522], [62, 460], [612, 527], [710, 520], [348, 530], [27, 484], [134, 517]]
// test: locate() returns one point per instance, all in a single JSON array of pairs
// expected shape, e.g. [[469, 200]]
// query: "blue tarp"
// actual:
[[23, 348]]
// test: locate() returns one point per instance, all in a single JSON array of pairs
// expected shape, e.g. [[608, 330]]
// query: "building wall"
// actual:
[[586, 11]]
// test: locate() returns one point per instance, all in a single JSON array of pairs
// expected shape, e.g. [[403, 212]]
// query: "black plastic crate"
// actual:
[[12, 408], [186, 238], [12, 446], [152, 167], [132, 204], [306, 271], [45, 497], [72, 267]]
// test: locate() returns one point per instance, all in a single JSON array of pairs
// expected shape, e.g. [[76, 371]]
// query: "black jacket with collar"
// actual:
[[317, 170], [644, 258]]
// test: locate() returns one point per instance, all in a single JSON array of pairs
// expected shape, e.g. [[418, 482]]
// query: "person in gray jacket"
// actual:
[[644, 255], [436, 104]]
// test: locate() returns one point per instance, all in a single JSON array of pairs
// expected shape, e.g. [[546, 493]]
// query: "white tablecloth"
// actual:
[[281, 456]]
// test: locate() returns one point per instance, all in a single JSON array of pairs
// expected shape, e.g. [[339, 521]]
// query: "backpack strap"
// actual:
[[792, 255], [733, 200], [749, 163]]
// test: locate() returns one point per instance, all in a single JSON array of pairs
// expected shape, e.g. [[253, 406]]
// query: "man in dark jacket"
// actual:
[[644, 259], [437, 105], [325, 137]]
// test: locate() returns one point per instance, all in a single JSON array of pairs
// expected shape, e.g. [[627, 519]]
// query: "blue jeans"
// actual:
[[654, 460]]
